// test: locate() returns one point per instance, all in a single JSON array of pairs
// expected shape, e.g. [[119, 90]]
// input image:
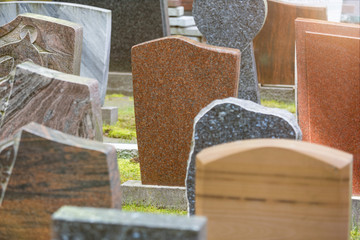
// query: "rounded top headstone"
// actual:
[[230, 23]]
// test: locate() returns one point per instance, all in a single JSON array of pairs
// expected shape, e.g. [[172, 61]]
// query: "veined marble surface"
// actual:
[[97, 32]]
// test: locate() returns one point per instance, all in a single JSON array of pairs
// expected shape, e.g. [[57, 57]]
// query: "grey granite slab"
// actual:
[[96, 24], [111, 224], [134, 22], [234, 24], [233, 119]]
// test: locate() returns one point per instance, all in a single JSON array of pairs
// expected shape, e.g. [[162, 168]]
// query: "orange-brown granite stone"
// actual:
[[53, 169], [328, 56], [274, 46], [174, 78]]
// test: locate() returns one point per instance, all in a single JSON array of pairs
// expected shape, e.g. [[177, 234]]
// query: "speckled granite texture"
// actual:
[[96, 223], [233, 119], [65, 102], [328, 59], [133, 22], [8, 150], [174, 78], [54, 169], [96, 23], [234, 24]]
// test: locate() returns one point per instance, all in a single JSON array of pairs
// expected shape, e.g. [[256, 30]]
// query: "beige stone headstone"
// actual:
[[274, 189]]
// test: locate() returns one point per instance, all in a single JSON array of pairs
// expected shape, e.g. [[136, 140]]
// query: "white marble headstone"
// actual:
[[96, 24]]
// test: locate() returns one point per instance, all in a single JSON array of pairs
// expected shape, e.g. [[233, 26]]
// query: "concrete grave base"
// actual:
[[355, 210], [120, 82], [109, 115], [284, 93], [133, 192]]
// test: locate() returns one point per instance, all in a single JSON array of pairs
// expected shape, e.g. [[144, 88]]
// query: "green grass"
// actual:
[[355, 233], [129, 170], [151, 209], [115, 95], [125, 126], [277, 104]]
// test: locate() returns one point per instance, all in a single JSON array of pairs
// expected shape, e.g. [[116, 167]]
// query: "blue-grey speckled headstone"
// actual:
[[134, 22], [111, 224], [96, 23], [233, 119], [234, 24]]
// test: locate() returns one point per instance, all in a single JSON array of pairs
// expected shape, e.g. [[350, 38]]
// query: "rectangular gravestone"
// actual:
[[48, 42], [274, 189], [174, 78], [65, 102], [95, 223], [96, 23], [234, 24], [328, 57], [51, 169], [274, 46], [133, 22], [233, 119]]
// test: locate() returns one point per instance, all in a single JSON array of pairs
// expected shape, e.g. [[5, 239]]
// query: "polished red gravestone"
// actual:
[[274, 46], [328, 57], [45, 169], [174, 78]]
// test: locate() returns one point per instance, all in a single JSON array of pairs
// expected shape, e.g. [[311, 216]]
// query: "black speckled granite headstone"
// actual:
[[234, 24], [95, 223], [233, 119], [133, 22]]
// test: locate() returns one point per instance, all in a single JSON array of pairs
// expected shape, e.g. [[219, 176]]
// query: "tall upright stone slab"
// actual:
[[133, 22], [96, 23], [65, 102], [48, 42], [274, 46], [328, 59], [174, 78], [234, 24], [95, 223], [232, 119], [53, 169], [274, 189]]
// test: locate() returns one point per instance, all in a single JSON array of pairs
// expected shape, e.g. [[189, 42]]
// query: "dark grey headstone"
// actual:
[[111, 224], [233, 119], [234, 24], [133, 22]]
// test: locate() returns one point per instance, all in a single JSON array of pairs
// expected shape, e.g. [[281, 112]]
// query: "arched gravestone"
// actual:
[[230, 120], [96, 23], [174, 78], [328, 87], [52, 169], [274, 189], [234, 24], [65, 102]]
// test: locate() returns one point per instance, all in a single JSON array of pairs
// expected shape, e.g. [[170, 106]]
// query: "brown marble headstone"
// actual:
[[46, 41], [174, 78], [328, 57], [64, 102], [53, 169], [274, 189], [274, 46]]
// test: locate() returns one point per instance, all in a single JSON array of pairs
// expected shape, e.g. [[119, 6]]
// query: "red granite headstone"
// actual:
[[328, 57], [174, 78], [53, 169], [274, 46]]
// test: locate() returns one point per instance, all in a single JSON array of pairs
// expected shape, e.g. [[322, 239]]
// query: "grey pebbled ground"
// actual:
[[111, 224], [233, 119], [234, 24], [96, 23]]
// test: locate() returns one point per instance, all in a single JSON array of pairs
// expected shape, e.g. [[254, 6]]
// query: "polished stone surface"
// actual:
[[274, 189], [274, 46], [65, 102], [48, 42], [53, 169], [133, 22], [96, 23], [96, 223], [328, 59], [234, 24], [173, 79], [232, 119]]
